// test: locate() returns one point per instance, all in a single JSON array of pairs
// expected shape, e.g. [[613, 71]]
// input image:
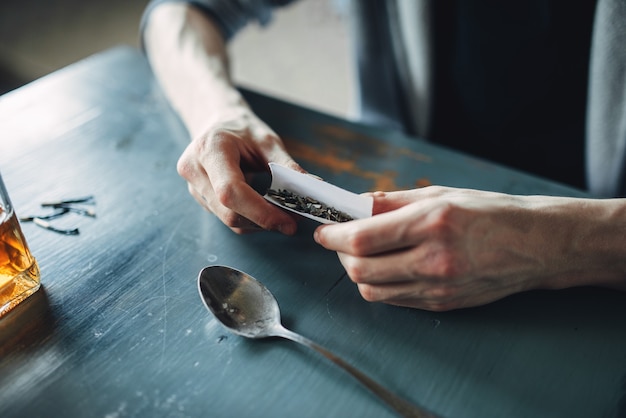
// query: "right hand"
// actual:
[[219, 163], [188, 55]]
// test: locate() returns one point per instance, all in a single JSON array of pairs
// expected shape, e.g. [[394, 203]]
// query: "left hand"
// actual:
[[441, 248]]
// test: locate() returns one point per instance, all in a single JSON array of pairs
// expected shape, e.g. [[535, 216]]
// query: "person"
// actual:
[[537, 85]]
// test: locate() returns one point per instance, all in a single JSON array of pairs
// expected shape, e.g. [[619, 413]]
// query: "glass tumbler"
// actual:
[[19, 273]]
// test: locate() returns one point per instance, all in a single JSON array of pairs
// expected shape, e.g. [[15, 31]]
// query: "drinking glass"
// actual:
[[19, 273]]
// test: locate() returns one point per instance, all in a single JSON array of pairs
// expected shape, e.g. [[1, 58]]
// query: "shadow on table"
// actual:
[[26, 325]]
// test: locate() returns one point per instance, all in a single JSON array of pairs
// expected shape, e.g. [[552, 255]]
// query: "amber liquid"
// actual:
[[19, 273]]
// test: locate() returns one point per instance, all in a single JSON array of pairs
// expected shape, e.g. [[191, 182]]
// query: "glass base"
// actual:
[[21, 287]]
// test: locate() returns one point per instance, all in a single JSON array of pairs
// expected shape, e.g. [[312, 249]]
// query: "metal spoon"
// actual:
[[247, 308]]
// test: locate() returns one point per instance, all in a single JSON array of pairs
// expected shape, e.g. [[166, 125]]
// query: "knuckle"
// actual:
[[443, 217], [226, 193], [266, 142], [440, 263], [230, 219], [441, 306], [357, 242], [217, 140], [435, 190], [188, 165], [184, 167], [444, 258], [369, 293], [442, 294], [355, 271], [446, 265], [266, 221]]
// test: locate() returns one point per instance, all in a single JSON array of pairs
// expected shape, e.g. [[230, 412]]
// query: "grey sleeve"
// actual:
[[229, 15], [606, 109]]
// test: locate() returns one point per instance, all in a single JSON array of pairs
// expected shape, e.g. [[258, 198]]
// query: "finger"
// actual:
[[423, 287], [282, 158], [275, 152], [199, 198], [433, 295], [428, 293], [403, 294], [233, 194], [433, 259], [206, 198], [398, 292], [198, 183], [388, 267], [237, 223], [381, 233], [389, 201]]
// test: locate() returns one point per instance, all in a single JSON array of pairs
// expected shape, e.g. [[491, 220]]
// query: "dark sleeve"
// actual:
[[229, 15]]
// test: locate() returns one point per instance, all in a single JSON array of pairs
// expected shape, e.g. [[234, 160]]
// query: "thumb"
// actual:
[[277, 153], [281, 157]]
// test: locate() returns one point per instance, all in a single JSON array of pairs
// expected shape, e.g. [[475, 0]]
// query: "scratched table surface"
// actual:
[[118, 328]]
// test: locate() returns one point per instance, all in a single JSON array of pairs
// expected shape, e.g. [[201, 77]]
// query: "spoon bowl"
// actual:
[[239, 302], [247, 308]]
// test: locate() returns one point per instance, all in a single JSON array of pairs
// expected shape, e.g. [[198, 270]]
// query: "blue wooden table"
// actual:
[[118, 328]]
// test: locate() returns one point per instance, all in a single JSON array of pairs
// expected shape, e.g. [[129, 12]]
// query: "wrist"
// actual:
[[228, 114], [235, 119], [584, 241]]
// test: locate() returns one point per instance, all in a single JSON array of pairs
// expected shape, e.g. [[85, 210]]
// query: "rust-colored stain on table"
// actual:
[[328, 154]]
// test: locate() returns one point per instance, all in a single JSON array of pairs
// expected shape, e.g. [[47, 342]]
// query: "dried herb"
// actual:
[[307, 205], [61, 208]]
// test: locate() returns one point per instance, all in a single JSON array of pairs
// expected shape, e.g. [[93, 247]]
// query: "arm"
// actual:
[[440, 248], [229, 142]]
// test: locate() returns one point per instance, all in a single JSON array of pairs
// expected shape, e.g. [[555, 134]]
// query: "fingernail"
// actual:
[[317, 234]]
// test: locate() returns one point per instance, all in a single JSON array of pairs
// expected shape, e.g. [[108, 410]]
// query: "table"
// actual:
[[118, 328]]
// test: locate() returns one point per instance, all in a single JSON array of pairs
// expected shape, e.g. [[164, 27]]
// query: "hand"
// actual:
[[188, 55], [219, 164], [440, 248]]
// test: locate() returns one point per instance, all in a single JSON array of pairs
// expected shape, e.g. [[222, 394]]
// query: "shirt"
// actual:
[[537, 85]]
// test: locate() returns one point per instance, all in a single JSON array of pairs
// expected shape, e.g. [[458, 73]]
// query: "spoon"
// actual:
[[247, 308]]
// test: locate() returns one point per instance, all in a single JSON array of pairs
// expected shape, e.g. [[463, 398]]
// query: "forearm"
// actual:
[[587, 237], [188, 56]]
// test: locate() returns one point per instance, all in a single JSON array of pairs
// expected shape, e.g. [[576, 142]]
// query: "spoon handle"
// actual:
[[400, 405]]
